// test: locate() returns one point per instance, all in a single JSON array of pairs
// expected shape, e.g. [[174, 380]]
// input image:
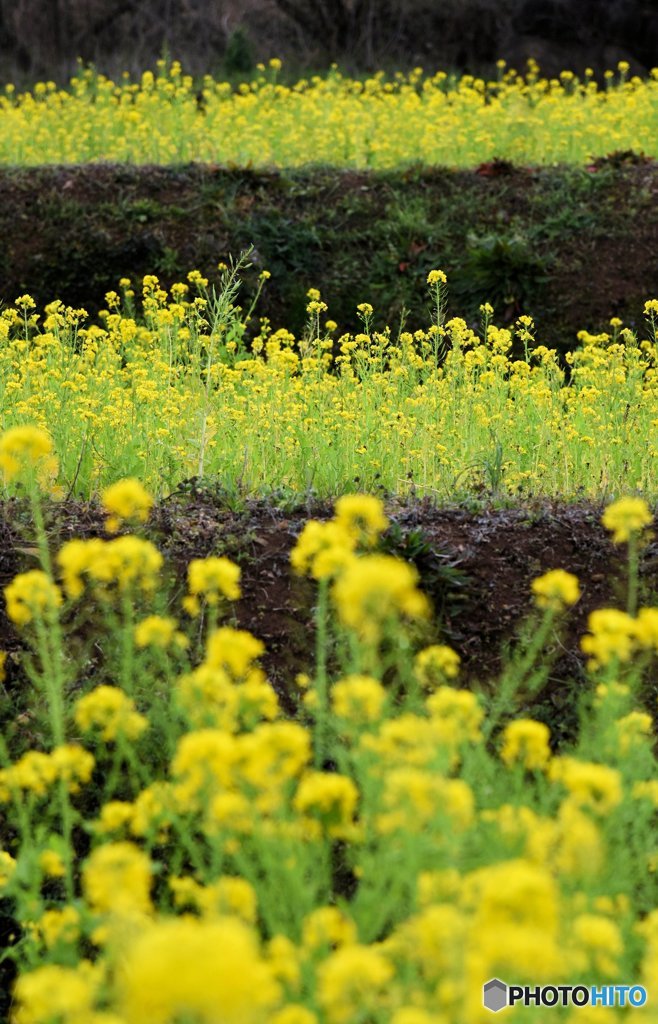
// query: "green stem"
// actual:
[[321, 684], [633, 573], [49, 639]]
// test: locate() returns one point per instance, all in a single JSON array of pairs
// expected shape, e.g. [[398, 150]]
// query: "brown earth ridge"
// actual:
[[571, 246]]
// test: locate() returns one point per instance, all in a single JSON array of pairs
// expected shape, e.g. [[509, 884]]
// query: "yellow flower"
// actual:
[[411, 740], [431, 942], [458, 710], [33, 772], [284, 959], [126, 561], [414, 1015], [233, 651], [225, 896], [114, 815], [117, 879], [159, 631], [23, 449], [59, 926], [111, 710], [323, 549], [611, 636], [593, 785], [329, 799], [204, 762], [31, 595], [647, 790], [435, 664], [414, 799], [208, 970], [230, 812], [74, 558], [626, 517], [213, 578], [436, 277], [526, 742], [73, 765], [328, 926], [646, 628], [633, 730], [556, 590], [54, 993], [599, 938], [7, 868], [293, 1013], [512, 892], [358, 699], [353, 976], [209, 697], [362, 515], [126, 499], [374, 589], [51, 864]]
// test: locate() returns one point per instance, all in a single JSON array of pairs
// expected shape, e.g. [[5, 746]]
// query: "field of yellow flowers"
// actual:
[[377, 122], [181, 842], [182, 388]]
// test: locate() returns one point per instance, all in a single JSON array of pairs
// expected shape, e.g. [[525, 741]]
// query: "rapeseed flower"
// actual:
[[57, 926], [362, 515], [374, 589], [634, 730], [413, 799], [626, 517], [31, 595], [159, 631], [51, 863], [458, 711], [212, 969], [328, 799], [358, 699], [23, 449], [556, 590], [55, 992], [116, 879], [590, 785], [526, 742], [353, 976], [328, 927], [112, 711], [233, 651], [7, 868], [126, 500], [435, 664], [323, 549], [127, 562], [212, 578], [611, 637]]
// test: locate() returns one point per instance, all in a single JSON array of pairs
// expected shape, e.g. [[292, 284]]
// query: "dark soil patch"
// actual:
[[477, 567], [570, 246]]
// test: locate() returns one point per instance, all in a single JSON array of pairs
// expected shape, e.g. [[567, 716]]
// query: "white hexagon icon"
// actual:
[[494, 995]]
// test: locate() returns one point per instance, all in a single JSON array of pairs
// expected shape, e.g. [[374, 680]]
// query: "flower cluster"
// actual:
[[379, 121]]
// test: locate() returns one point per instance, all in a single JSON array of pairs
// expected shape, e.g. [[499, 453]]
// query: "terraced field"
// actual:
[[328, 646]]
